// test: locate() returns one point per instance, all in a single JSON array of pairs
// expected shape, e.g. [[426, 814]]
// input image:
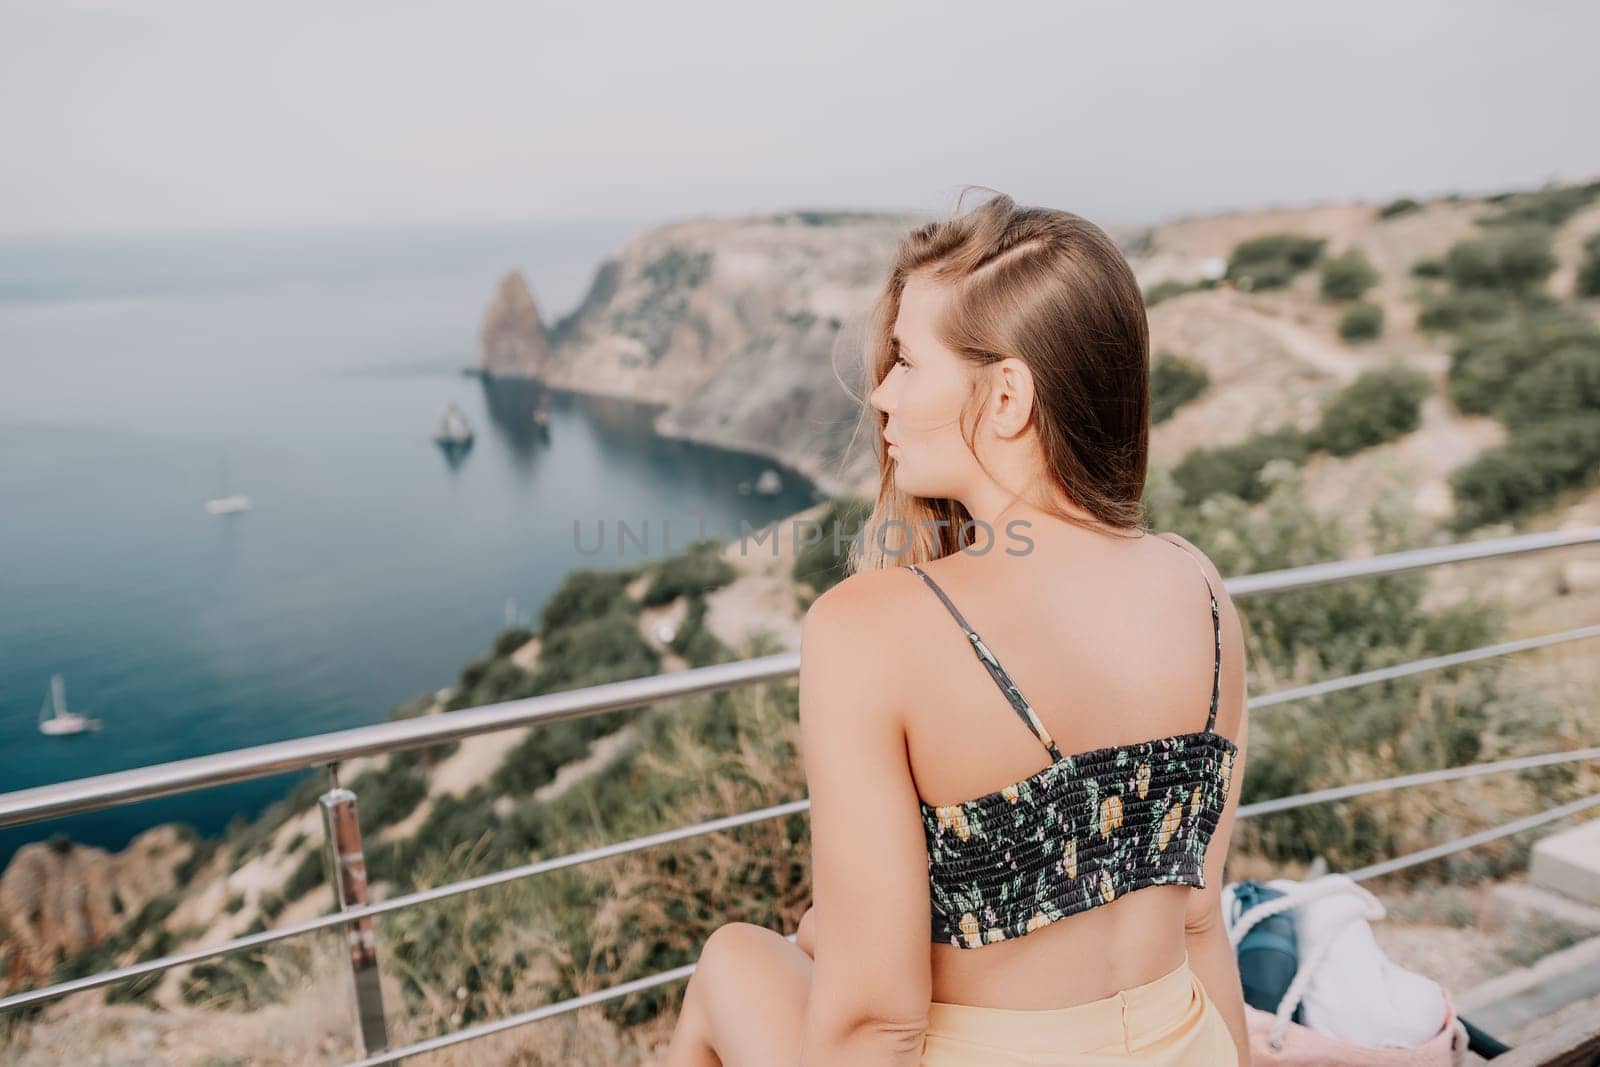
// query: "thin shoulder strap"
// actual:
[[1216, 634], [1019, 703]]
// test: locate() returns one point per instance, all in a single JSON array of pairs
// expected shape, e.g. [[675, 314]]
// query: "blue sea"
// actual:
[[142, 375]]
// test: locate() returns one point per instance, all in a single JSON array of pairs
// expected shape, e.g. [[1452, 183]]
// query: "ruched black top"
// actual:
[[1088, 828]]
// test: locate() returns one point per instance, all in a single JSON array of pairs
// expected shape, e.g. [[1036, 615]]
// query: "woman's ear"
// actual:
[[1012, 398]]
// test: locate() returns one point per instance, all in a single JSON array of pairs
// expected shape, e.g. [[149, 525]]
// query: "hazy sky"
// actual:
[[158, 113]]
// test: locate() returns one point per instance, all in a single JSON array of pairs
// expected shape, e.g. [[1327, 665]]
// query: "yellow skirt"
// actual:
[[1169, 1020]]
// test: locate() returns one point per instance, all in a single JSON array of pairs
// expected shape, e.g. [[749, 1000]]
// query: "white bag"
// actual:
[[1352, 992]]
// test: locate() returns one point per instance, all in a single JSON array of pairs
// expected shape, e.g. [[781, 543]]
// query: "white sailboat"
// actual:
[[225, 503], [55, 719]]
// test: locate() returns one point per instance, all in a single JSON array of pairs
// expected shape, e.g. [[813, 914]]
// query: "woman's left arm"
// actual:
[[872, 977]]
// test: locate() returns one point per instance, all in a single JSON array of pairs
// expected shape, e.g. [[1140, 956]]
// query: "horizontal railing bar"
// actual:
[[1420, 666], [638, 844], [1341, 570], [473, 1033], [409, 900], [280, 757], [200, 772], [482, 1030], [1407, 781], [1461, 844]]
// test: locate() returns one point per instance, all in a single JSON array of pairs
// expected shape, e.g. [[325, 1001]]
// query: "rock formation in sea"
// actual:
[[513, 338]]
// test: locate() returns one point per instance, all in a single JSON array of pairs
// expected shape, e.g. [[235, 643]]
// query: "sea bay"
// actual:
[[141, 375]]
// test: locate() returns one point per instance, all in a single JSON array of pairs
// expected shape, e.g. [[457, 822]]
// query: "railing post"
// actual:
[[349, 866]]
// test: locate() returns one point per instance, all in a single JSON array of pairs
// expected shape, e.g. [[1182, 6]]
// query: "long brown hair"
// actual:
[[1052, 289]]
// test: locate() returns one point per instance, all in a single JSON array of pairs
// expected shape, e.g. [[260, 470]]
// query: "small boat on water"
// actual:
[[54, 718], [226, 503], [769, 482], [454, 430], [541, 414]]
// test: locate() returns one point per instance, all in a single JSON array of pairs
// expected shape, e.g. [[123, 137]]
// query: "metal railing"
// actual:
[[343, 833]]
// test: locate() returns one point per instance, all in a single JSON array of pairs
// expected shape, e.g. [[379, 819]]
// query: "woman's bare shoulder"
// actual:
[[844, 637], [1213, 575], [861, 598]]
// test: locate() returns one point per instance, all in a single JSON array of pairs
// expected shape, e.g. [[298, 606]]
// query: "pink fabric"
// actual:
[[1304, 1047]]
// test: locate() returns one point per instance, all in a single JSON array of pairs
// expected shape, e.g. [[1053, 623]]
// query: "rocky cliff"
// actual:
[[57, 898], [747, 330]]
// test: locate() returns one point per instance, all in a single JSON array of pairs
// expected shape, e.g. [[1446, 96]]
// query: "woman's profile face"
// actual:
[[923, 395]]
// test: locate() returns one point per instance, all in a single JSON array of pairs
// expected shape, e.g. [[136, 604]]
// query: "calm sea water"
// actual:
[[138, 376]]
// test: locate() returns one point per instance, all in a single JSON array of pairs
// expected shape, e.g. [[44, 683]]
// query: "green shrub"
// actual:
[[606, 649], [695, 572], [585, 594], [1165, 290], [678, 269], [1516, 259], [453, 821], [1362, 321], [413, 708], [1527, 473], [245, 981], [200, 852], [104, 955], [1236, 469], [134, 990], [473, 673], [499, 680], [234, 903], [1588, 283], [307, 875], [251, 838], [1455, 311], [1347, 276], [593, 652], [1542, 207], [1174, 381], [1380, 405], [1272, 261], [385, 795], [534, 762], [1486, 363], [1567, 382], [271, 905], [822, 565], [1395, 208], [694, 641], [511, 639], [154, 913], [1428, 268]]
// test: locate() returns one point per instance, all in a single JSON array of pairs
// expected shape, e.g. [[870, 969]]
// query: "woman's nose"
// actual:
[[879, 397]]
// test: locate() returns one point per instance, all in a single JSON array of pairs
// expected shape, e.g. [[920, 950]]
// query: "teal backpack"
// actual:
[[1268, 954]]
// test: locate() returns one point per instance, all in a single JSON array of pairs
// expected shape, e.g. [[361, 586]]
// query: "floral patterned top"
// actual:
[[1090, 827]]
